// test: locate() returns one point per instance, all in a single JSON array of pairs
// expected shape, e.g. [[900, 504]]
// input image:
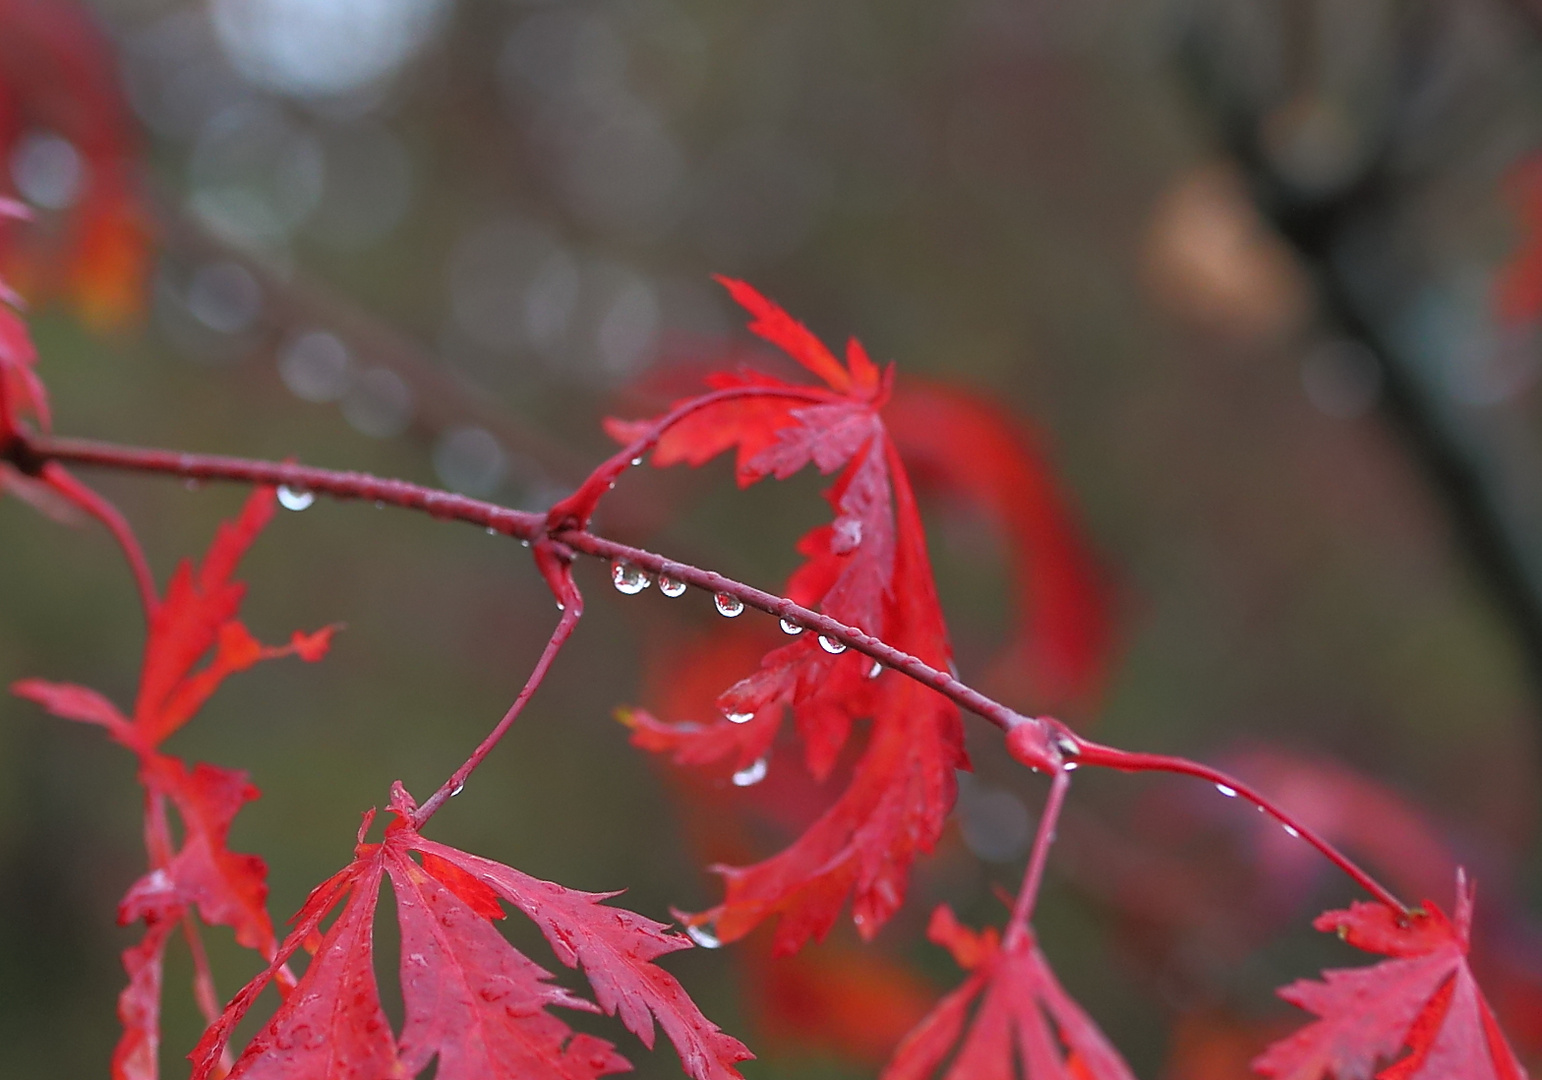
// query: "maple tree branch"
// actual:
[[1088, 752], [521, 524], [30, 451], [1033, 877], [457, 780]]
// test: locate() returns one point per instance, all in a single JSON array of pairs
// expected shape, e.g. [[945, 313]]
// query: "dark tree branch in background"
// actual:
[[1321, 225]]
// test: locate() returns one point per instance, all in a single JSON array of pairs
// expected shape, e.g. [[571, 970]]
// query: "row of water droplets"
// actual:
[[630, 579], [1231, 793]]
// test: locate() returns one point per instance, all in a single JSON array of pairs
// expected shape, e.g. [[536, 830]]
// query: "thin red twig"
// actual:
[[1033, 877], [577, 509], [30, 452], [457, 780], [517, 523], [204, 993], [1091, 753], [99, 507]]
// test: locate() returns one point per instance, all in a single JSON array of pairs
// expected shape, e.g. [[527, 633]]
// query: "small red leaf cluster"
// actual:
[[1424, 999], [1023, 1014], [198, 875], [869, 569], [473, 1002]]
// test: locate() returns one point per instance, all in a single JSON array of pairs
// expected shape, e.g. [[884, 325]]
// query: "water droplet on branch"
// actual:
[[291, 498], [671, 586], [831, 646], [1290, 831], [876, 670], [628, 579], [728, 606], [739, 717], [1228, 791], [790, 627]]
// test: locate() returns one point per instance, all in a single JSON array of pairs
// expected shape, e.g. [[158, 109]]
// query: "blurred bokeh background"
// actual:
[[1261, 280]]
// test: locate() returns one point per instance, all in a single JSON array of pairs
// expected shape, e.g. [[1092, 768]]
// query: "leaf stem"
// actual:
[[1088, 752], [577, 509], [1033, 877], [457, 780], [99, 507]]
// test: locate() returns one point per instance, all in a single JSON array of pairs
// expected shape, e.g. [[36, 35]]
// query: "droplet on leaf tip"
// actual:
[[704, 938], [292, 498], [728, 606], [751, 774], [671, 587], [831, 646]]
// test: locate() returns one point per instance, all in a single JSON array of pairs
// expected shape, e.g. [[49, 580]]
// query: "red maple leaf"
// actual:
[[1424, 999], [196, 617], [868, 569], [197, 614], [1023, 1012], [472, 1000]]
